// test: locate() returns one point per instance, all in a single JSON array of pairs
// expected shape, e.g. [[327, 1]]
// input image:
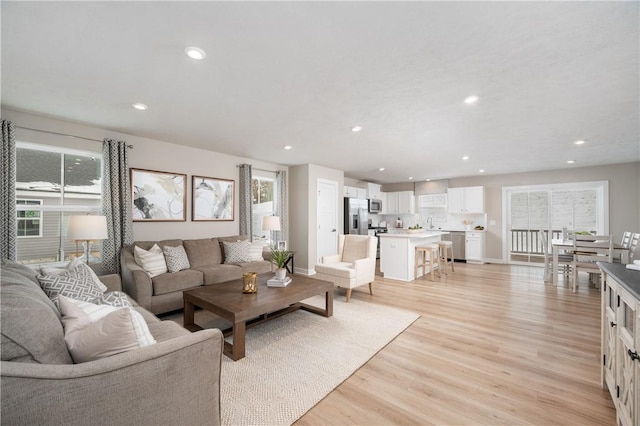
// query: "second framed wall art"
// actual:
[[212, 199]]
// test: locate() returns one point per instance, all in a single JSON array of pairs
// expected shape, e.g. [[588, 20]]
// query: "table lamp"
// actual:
[[271, 223], [87, 228]]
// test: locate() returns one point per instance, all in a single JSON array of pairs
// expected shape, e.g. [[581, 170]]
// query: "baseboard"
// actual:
[[499, 261], [303, 271]]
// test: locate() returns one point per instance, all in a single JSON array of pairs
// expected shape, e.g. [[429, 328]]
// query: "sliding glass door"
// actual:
[[531, 210]]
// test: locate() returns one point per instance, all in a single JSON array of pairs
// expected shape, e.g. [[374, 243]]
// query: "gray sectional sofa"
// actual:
[[163, 293], [175, 381]]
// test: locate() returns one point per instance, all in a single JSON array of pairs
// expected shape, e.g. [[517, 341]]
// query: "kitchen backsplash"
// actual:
[[451, 222]]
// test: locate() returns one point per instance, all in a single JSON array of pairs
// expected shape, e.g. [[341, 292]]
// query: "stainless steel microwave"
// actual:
[[375, 206]]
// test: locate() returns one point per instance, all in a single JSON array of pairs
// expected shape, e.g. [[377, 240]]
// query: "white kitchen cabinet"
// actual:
[[402, 202], [466, 200], [354, 192], [474, 247], [620, 342], [373, 191]]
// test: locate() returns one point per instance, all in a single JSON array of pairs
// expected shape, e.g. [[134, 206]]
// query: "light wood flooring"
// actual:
[[494, 345]]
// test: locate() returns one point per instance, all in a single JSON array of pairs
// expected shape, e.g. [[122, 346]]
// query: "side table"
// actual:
[[290, 261]]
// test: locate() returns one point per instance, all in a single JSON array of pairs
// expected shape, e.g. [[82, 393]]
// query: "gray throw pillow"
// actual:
[[176, 258], [79, 288], [237, 252]]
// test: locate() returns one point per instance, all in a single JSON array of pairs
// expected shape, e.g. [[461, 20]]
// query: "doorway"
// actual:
[[327, 219]]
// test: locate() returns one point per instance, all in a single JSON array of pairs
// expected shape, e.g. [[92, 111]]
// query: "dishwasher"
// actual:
[[458, 240]]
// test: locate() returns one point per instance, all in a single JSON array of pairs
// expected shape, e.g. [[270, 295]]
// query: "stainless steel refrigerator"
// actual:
[[356, 216]]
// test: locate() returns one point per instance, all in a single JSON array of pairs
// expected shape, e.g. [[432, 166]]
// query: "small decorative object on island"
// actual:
[[468, 224], [250, 282], [279, 258]]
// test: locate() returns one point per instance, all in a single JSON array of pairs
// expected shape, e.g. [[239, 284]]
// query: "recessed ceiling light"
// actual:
[[356, 129], [471, 99], [140, 106], [466, 157], [287, 147], [410, 177], [428, 180], [579, 142], [481, 170], [195, 53], [571, 161], [381, 169]]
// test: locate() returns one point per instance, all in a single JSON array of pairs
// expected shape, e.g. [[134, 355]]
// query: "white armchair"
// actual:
[[353, 266]]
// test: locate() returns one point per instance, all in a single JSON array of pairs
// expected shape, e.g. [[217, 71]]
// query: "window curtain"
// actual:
[[116, 203], [8, 191], [282, 205], [245, 202]]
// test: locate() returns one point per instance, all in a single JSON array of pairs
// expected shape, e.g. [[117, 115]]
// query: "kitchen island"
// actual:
[[397, 252]]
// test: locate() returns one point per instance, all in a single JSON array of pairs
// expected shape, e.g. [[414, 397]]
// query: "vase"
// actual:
[[281, 273]]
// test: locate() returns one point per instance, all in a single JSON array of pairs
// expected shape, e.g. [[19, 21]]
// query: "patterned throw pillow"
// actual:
[[113, 298], [176, 258], [75, 268], [93, 331], [237, 252], [151, 261], [255, 252], [79, 288]]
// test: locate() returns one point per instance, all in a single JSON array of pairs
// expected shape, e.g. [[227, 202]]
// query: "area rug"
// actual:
[[295, 360]]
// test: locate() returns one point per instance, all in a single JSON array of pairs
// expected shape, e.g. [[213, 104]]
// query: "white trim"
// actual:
[[57, 149]]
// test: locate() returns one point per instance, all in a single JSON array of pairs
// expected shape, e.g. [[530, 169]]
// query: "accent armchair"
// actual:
[[353, 266]]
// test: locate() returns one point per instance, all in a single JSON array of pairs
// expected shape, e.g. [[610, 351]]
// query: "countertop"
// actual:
[[627, 278], [424, 234]]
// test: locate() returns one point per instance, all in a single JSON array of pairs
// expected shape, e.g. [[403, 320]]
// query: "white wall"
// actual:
[[148, 154]]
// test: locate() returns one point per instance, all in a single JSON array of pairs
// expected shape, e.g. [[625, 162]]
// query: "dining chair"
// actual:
[[563, 259], [625, 244], [634, 247], [587, 251]]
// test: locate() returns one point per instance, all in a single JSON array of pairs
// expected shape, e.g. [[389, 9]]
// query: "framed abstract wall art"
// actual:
[[212, 199], [158, 196]]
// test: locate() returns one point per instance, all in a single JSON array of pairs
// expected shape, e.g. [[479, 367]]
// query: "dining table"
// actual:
[[567, 245]]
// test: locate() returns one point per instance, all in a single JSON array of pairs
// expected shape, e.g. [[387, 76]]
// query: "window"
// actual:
[[262, 195], [53, 184], [29, 221]]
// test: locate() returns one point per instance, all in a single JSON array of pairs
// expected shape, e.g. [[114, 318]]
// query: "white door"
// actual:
[[327, 237]]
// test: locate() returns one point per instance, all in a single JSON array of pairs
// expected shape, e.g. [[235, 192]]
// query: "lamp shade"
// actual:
[[87, 228], [271, 223]]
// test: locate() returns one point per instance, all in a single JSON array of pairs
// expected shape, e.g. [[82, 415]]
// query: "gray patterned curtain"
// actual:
[[282, 204], [8, 192], [244, 198], [116, 203]]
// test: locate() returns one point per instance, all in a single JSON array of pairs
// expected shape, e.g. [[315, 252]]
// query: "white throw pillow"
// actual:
[[78, 267], [176, 258], [98, 331], [151, 261], [255, 252], [237, 252]]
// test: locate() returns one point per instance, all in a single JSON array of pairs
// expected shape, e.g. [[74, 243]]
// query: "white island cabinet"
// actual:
[[397, 252]]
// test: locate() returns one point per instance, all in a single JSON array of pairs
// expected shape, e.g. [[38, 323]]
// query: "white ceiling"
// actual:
[[304, 73]]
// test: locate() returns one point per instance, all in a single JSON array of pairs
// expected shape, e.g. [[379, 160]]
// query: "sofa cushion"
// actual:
[[236, 252], [221, 273], [168, 283], [203, 252], [165, 330], [31, 327], [260, 266], [338, 269], [151, 260], [176, 258], [98, 331]]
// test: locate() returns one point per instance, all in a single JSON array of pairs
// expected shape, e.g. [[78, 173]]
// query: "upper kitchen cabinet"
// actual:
[[466, 200], [354, 192], [373, 191], [400, 202]]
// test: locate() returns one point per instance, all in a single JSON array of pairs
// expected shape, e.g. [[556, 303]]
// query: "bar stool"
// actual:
[[427, 255], [446, 250]]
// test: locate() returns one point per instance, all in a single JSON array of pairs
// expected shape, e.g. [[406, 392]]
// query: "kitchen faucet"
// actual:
[[430, 222]]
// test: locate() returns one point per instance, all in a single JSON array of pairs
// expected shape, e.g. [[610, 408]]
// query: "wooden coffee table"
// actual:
[[247, 310]]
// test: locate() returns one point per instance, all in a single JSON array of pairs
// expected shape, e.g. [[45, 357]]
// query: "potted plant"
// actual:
[[279, 258]]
